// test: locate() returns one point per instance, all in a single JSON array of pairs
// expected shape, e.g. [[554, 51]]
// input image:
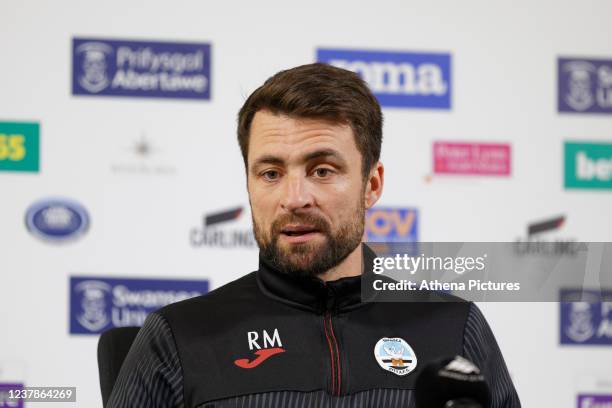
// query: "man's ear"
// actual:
[[374, 185]]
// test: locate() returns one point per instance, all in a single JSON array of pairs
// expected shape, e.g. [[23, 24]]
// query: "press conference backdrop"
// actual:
[[123, 189]]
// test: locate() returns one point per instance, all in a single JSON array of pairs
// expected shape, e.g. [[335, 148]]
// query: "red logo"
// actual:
[[262, 355]]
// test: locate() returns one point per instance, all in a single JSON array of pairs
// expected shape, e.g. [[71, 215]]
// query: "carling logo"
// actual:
[[586, 317], [6, 390], [483, 159], [384, 224], [594, 400], [19, 146], [221, 229], [538, 240], [141, 69], [98, 304], [585, 85], [398, 79], [588, 165]]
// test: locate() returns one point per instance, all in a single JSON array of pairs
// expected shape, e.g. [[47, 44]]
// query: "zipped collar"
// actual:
[[312, 293]]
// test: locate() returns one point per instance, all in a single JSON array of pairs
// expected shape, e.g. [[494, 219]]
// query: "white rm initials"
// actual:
[[268, 341]]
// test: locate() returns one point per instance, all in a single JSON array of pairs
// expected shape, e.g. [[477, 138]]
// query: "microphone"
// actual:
[[452, 383]]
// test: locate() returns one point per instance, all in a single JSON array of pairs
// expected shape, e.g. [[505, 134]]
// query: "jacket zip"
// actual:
[[334, 353]]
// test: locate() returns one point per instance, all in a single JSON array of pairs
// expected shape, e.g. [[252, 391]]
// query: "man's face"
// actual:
[[306, 192]]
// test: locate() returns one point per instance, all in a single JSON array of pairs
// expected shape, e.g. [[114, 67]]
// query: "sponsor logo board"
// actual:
[[147, 69], [398, 79], [100, 303]]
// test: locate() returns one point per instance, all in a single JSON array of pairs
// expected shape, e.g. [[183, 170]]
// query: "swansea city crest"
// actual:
[[395, 354]]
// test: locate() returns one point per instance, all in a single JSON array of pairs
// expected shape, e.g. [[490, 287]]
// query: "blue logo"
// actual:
[[8, 390], [98, 304], [140, 69], [384, 224], [585, 85], [586, 317], [57, 220], [398, 79]]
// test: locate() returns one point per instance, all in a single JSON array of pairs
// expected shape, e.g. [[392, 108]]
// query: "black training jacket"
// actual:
[[271, 340]]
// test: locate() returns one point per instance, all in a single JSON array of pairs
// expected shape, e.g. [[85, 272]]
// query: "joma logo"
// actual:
[[398, 79], [393, 78], [272, 345]]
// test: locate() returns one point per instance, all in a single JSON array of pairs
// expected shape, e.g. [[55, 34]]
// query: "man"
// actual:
[[296, 332]]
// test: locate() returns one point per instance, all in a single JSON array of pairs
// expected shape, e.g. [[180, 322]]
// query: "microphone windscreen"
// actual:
[[451, 383]]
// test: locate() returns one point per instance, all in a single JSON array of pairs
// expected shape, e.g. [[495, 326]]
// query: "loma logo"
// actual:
[[141, 69], [588, 165], [57, 220], [98, 304], [398, 79]]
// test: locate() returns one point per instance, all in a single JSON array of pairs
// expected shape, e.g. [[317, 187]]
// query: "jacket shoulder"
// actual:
[[243, 289]]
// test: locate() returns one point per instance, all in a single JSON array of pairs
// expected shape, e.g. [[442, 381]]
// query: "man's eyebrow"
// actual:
[[317, 154], [267, 159], [324, 153]]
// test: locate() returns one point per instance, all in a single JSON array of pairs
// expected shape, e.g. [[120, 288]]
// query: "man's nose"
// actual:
[[296, 193]]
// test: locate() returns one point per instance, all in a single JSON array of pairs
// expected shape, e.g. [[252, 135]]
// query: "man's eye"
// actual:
[[323, 172], [270, 175]]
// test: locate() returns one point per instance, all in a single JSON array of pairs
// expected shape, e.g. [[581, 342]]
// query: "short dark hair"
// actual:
[[319, 91]]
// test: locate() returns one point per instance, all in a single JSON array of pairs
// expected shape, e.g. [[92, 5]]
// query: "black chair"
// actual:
[[113, 346]]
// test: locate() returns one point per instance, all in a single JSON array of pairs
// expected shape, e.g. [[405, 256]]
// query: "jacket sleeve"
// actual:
[[151, 375], [480, 347]]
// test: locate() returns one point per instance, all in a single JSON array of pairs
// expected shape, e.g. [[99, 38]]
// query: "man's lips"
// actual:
[[298, 229], [299, 233]]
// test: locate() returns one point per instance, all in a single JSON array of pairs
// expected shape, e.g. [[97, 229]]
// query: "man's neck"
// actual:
[[351, 266]]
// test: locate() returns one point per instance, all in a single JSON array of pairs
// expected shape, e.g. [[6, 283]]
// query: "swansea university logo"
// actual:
[[140, 68], [586, 317], [100, 303], [585, 85], [95, 297], [395, 355], [92, 74], [398, 79]]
